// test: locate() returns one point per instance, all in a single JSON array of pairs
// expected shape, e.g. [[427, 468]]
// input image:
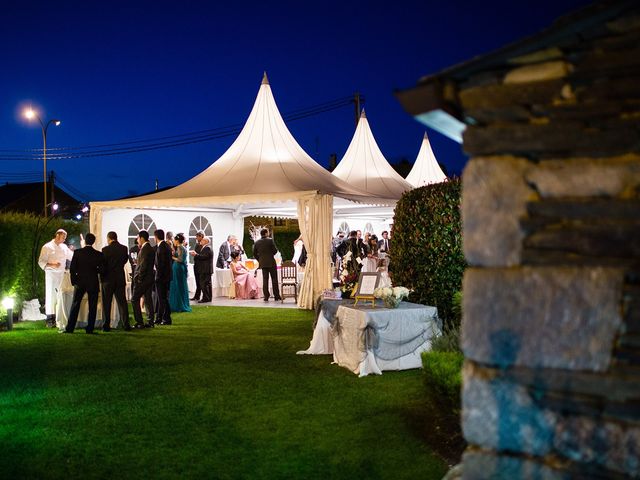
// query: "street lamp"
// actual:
[[30, 114]]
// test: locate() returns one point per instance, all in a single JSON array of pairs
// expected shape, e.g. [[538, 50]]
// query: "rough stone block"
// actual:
[[555, 317], [501, 415], [493, 199], [507, 417], [482, 465], [538, 72], [495, 96], [587, 177]]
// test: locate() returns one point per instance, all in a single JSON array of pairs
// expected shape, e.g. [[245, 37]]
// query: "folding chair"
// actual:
[[289, 280]]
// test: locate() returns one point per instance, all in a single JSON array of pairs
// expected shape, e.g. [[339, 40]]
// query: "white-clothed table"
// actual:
[[52, 252], [65, 299], [369, 340]]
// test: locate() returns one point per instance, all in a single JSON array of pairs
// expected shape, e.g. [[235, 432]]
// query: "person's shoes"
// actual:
[[158, 322], [63, 331], [266, 299], [149, 325], [165, 323], [138, 326], [204, 301], [106, 329], [278, 299], [127, 328], [194, 299], [90, 332]]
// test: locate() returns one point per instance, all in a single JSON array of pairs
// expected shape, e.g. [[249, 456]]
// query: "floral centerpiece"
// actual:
[[348, 276], [391, 296]]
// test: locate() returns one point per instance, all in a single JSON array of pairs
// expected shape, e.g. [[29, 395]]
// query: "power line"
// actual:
[[170, 141]]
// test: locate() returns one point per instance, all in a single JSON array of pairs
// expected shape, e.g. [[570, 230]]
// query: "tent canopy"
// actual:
[[364, 166], [425, 169]]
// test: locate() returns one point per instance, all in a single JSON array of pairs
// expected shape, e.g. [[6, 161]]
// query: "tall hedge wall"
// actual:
[[426, 249], [22, 236]]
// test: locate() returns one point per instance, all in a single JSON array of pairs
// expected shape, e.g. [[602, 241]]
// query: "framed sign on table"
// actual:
[[367, 283]]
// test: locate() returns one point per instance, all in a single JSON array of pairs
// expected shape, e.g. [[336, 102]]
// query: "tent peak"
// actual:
[[426, 137], [265, 80], [362, 114]]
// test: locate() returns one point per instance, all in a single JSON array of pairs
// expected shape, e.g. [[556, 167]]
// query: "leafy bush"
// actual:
[[284, 241], [443, 376], [427, 246], [449, 341], [22, 236]]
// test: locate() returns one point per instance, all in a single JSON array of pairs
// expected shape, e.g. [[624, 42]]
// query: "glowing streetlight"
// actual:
[[30, 114], [7, 304]]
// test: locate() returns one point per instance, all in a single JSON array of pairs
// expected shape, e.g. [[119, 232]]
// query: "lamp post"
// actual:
[[30, 114]]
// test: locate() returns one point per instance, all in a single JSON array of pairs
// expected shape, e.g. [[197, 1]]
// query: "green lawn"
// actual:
[[220, 394]]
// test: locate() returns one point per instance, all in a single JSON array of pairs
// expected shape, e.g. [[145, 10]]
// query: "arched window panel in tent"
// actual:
[[199, 224], [344, 227], [141, 222], [368, 228]]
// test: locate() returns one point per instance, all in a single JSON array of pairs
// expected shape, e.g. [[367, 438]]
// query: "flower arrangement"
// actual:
[[348, 278], [391, 296]]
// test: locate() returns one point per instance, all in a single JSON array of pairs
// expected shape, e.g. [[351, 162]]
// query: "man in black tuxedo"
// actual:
[[204, 260], [264, 251], [86, 264], [196, 266], [224, 253], [384, 243], [163, 264], [114, 281], [143, 281]]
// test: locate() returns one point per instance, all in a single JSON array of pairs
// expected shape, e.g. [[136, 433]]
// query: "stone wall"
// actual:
[[551, 218]]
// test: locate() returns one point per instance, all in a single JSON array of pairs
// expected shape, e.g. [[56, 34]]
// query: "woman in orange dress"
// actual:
[[246, 285]]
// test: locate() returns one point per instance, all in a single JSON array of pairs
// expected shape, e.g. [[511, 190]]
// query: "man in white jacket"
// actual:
[[53, 259]]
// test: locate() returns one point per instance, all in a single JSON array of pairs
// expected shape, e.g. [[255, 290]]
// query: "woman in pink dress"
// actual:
[[246, 285]]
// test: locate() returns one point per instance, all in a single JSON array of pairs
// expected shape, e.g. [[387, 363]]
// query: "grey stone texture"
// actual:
[[494, 197], [509, 418], [482, 465], [542, 317], [585, 177]]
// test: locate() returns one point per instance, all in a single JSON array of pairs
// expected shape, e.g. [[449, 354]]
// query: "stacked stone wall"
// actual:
[[551, 219]]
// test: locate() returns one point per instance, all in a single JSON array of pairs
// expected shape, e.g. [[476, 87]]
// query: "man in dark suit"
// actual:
[[162, 279], [143, 281], [204, 260], [384, 243], [196, 266], [86, 264], [224, 253], [114, 281], [264, 251]]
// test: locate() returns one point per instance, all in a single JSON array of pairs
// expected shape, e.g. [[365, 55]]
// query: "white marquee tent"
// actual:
[[264, 172], [425, 169], [364, 166]]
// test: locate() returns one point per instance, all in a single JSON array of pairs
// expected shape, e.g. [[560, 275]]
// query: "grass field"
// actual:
[[220, 394]]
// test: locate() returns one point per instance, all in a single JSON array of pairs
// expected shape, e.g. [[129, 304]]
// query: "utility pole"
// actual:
[[356, 101], [52, 177]]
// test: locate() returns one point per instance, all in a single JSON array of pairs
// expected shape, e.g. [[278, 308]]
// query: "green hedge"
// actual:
[[427, 246], [22, 236], [284, 242], [443, 376]]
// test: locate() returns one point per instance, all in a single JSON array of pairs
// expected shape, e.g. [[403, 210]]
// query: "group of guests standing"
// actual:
[[159, 277], [364, 252]]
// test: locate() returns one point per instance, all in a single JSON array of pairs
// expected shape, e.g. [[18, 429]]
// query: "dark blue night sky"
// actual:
[[120, 71]]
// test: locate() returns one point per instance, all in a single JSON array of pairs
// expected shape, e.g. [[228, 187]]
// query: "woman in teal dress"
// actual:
[[179, 291]]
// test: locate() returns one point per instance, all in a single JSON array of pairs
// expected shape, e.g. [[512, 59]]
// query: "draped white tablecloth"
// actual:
[[65, 298], [369, 340]]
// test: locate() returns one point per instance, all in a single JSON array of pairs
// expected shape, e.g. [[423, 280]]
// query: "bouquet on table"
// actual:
[[391, 296]]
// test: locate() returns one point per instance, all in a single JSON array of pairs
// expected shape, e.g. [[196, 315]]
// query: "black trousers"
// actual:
[[110, 290], [163, 310], [205, 285], [139, 291], [78, 294], [196, 273], [273, 273]]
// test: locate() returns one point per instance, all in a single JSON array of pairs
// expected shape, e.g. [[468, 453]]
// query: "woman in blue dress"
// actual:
[[179, 291]]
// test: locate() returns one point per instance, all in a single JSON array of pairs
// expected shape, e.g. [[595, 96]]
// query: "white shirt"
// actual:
[[53, 252]]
